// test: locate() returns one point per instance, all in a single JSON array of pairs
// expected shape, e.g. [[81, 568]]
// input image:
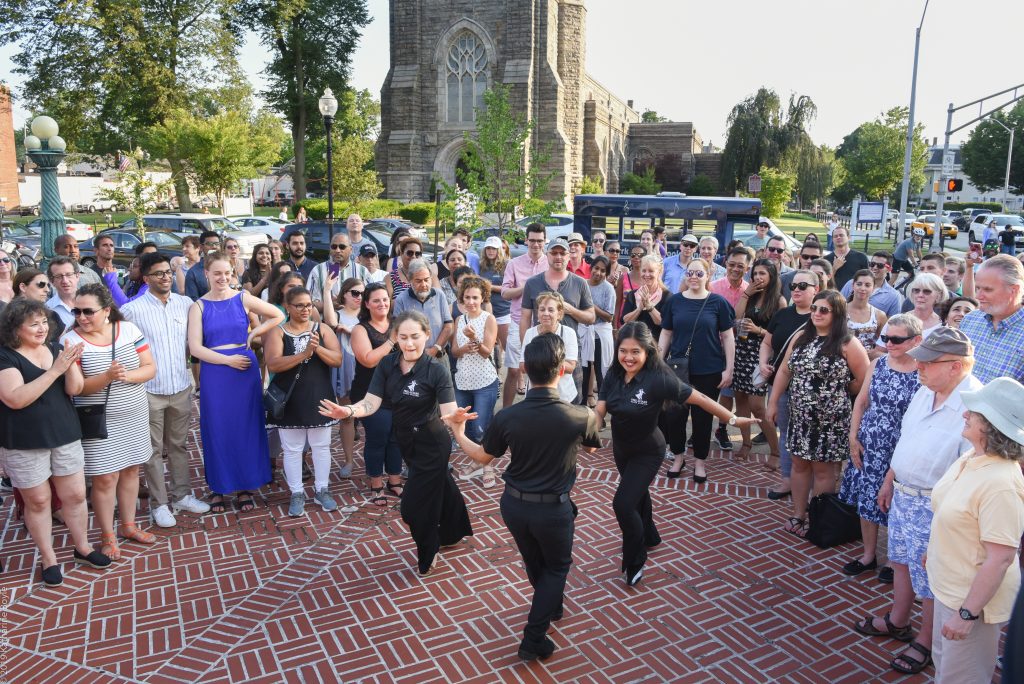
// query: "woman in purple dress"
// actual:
[[231, 414]]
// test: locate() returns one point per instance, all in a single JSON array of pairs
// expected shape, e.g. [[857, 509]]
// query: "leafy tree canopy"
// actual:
[[776, 191], [873, 154], [701, 186], [984, 153], [640, 184], [651, 116]]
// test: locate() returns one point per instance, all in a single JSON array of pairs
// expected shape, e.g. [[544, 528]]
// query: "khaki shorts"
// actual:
[[29, 468], [513, 350]]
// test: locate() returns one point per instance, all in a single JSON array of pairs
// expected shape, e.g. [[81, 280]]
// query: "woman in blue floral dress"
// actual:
[[874, 431]]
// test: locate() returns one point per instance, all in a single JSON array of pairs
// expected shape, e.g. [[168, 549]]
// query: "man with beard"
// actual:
[[297, 252]]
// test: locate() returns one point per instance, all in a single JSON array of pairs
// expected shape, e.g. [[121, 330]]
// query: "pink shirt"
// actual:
[[725, 289], [517, 272]]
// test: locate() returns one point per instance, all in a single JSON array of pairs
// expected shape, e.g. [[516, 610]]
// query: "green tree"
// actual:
[[776, 191], [640, 184], [110, 70], [310, 45], [873, 155], [358, 117], [815, 174], [500, 170], [651, 116], [355, 178], [701, 186], [135, 191], [762, 133], [591, 185], [984, 153]]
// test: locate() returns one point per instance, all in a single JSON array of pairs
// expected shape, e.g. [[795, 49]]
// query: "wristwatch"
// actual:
[[967, 615], [732, 421]]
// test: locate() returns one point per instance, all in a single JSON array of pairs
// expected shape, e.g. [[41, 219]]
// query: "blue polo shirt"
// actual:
[[998, 351]]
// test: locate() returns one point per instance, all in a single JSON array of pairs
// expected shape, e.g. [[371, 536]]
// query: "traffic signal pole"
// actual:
[[945, 148]]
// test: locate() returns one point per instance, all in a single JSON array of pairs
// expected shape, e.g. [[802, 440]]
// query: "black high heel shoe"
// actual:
[[673, 474], [700, 479]]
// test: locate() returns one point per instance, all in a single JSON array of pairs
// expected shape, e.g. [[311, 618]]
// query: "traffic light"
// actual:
[[954, 185]]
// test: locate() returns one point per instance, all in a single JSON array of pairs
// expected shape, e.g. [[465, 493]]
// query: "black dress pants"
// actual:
[[673, 420], [544, 535], [432, 505], [638, 464]]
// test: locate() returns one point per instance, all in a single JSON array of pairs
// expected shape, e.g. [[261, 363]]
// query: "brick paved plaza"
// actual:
[[260, 597]]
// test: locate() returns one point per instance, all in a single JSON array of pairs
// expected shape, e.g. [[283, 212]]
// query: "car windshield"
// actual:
[[19, 231], [219, 224], [1009, 221], [164, 239]]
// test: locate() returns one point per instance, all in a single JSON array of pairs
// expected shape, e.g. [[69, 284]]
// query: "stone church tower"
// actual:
[[446, 53]]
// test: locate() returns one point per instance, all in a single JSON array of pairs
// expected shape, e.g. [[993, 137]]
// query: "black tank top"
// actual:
[[302, 409], [363, 374]]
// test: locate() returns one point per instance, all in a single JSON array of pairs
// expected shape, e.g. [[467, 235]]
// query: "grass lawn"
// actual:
[[799, 225]]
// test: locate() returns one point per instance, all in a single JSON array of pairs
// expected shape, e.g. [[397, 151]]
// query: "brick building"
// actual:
[[444, 55], [8, 158]]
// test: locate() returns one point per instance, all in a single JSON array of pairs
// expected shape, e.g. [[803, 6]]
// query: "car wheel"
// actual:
[[92, 209]]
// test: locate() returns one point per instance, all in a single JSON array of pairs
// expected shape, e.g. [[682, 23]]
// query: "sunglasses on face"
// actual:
[[340, 246], [42, 285], [776, 250], [410, 253], [876, 265], [356, 293], [820, 309], [5, 260], [895, 339], [800, 286], [695, 274], [76, 312], [636, 255], [598, 241], [232, 247], [613, 251], [920, 290], [809, 257], [687, 245]]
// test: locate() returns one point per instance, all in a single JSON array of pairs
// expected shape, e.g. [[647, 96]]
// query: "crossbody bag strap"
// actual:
[[113, 357], [789, 339], [302, 365], [689, 346]]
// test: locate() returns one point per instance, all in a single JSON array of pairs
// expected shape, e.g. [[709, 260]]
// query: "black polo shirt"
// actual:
[[415, 395], [635, 405], [855, 261], [544, 434]]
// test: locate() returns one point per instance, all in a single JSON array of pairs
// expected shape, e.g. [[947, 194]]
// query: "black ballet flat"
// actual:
[[775, 496], [700, 479]]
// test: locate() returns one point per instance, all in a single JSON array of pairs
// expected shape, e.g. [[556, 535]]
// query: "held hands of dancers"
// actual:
[[741, 422], [329, 409], [458, 418]]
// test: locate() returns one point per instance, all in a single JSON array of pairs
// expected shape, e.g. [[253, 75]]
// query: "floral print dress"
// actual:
[[819, 405]]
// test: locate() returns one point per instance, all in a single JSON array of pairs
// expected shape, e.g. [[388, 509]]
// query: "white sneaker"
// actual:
[[191, 504], [162, 516]]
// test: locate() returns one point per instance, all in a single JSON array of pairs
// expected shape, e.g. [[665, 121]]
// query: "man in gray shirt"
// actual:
[[431, 302]]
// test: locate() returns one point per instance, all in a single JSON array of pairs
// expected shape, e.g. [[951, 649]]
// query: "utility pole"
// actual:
[[908, 153], [1009, 158]]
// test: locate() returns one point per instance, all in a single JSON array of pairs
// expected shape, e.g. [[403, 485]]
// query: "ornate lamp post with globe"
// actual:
[[46, 150], [328, 108]]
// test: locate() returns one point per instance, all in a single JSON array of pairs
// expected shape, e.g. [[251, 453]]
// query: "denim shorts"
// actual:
[[910, 524]]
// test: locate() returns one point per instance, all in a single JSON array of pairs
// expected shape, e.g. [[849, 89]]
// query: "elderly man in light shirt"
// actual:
[[930, 442]]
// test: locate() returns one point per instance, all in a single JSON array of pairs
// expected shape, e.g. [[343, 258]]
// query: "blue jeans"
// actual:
[[482, 400], [1009, 249], [381, 449]]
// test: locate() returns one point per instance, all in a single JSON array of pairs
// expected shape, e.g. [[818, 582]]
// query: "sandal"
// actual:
[[378, 497], [489, 479], [216, 502], [797, 526], [395, 489], [743, 452], [244, 502], [109, 547], [907, 665], [867, 628], [772, 464], [133, 533]]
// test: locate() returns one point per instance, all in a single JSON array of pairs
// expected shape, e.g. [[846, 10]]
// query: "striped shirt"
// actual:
[[165, 326], [999, 350], [315, 283]]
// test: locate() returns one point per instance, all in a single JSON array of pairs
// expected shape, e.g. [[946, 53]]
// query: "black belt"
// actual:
[[531, 497]]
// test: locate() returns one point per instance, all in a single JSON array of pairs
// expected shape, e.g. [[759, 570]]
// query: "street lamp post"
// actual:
[[46, 150], [1009, 158], [328, 108], [908, 152]]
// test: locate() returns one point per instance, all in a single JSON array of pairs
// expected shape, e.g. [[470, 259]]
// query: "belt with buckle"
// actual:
[[911, 491], [531, 497]]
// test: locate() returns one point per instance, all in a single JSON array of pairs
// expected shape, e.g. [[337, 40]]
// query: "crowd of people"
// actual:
[[907, 406]]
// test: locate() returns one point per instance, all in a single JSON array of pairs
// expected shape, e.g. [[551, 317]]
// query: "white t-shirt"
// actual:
[[566, 385]]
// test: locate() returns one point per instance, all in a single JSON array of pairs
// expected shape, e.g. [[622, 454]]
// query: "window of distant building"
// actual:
[[467, 78]]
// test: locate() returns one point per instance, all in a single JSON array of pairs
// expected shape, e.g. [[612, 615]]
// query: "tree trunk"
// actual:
[[181, 190]]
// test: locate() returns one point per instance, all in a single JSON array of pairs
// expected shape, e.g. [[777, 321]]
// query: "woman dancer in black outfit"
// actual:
[[419, 388], [637, 385]]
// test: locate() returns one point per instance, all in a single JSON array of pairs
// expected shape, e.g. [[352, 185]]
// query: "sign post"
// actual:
[[754, 183]]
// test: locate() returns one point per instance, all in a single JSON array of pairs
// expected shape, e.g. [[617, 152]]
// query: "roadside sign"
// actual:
[[947, 162], [754, 183]]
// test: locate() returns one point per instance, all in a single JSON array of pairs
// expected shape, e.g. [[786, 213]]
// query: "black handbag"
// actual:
[[832, 521], [93, 419], [680, 365], [276, 399]]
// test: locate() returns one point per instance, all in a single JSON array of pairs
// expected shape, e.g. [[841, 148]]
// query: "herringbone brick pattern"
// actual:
[[260, 597]]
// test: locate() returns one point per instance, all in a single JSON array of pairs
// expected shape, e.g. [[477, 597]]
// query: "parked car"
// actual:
[[22, 244], [125, 241], [269, 225], [390, 225], [893, 220], [23, 210], [318, 239], [516, 247], [1016, 223], [183, 224], [927, 222], [94, 206], [76, 229], [968, 217], [558, 225]]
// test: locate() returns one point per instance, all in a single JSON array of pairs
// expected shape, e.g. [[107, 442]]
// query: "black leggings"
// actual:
[[673, 420], [594, 366]]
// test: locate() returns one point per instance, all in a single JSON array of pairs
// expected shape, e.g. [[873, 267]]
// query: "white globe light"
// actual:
[[32, 142], [44, 127], [57, 143]]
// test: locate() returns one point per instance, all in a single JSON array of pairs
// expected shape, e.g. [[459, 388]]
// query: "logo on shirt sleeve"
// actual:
[[410, 390], [638, 399]]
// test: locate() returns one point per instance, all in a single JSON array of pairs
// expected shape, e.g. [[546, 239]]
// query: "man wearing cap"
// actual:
[[575, 291], [675, 267], [577, 249], [517, 271], [759, 239], [369, 259], [996, 329], [930, 442]]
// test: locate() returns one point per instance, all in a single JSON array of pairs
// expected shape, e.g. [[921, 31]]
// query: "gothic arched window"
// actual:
[[467, 77]]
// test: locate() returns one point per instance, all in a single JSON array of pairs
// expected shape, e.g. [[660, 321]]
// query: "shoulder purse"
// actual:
[[758, 378], [831, 521], [276, 399], [93, 419], [680, 365]]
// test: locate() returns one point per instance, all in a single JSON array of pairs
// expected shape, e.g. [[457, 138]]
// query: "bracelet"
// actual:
[[351, 411]]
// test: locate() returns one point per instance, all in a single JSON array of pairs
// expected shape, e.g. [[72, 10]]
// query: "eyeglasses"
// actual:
[[695, 274], [776, 250], [536, 241], [410, 253], [356, 293], [896, 339], [801, 286], [208, 243], [302, 307], [920, 290], [876, 265], [159, 274], [809, 257], [76, 312], [820, 309], [340, 246], [65, 276]]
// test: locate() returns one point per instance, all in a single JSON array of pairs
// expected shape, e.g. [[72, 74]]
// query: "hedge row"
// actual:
[[957, 206], [379, 208]]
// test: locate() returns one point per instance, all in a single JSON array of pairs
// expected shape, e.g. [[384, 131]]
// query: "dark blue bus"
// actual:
[[619, 215]]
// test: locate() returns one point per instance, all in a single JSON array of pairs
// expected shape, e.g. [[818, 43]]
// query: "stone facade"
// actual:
[[444, 53], [8, 157]]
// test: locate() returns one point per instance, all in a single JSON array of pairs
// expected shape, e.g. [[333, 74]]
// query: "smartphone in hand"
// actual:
[[975, 250], [334, 269]]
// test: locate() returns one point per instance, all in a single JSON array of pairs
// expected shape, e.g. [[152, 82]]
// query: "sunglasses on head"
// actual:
[[776, 250], [820, 309], [76, 312], [800, 286], [895, 339]]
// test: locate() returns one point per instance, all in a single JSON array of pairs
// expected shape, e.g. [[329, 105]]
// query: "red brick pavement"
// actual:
[[261, 597]]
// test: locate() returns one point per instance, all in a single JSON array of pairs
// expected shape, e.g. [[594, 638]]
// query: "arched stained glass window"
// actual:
[[467, 77]]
